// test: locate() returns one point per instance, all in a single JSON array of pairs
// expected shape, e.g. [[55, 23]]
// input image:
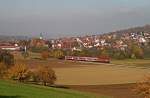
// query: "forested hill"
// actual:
[[145, 28]]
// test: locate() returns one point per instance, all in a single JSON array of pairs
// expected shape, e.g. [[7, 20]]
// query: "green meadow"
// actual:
[[20, 90]]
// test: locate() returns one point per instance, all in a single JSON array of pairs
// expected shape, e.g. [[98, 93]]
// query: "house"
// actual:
[[9, 46]]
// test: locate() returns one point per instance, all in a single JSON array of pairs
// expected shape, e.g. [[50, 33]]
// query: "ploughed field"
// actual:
[[99, 75]]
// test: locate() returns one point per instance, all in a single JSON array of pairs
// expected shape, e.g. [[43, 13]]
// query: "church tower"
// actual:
[[41, 36]]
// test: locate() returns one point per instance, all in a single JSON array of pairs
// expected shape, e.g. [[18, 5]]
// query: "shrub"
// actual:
[[19, 72], [45, 75], [143, 88]]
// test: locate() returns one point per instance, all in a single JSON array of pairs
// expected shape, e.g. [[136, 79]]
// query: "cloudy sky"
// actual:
[[57, 18]]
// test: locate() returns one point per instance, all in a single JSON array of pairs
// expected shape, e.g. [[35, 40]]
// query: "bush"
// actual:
[[143, 88], [45, 75], [19, 72]]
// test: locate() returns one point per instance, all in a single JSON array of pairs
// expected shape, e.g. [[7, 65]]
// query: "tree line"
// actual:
[[133, 52]]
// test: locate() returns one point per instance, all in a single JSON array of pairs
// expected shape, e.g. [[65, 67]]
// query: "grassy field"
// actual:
[[127, 62], [19, 90], [133, 62]]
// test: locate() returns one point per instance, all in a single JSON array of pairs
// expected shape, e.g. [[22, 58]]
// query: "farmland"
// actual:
[[142, 63], [100, 75], [87, 73], [115, 79]]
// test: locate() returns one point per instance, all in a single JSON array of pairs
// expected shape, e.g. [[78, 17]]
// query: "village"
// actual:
[[111, 42]]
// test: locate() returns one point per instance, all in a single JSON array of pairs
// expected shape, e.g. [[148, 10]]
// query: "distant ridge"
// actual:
[[13, 38], [145, 28]]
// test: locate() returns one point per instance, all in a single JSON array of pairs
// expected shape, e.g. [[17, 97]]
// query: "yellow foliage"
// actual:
[[45, 75], [58, 54], [143, 88], [19, 72]]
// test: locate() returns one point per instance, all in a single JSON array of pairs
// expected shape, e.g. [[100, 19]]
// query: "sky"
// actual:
[[61, 18]]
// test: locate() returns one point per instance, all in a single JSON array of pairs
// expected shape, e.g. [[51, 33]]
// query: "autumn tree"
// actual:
[[143, 87], [45, 54], [19, 72], [45, 75], [58, 54]]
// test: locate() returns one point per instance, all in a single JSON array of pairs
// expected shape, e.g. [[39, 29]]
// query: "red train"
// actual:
[[88, 59]]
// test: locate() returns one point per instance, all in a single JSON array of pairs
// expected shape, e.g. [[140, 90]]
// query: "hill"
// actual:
[[13, 38], [19, 90], [145, 28]]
